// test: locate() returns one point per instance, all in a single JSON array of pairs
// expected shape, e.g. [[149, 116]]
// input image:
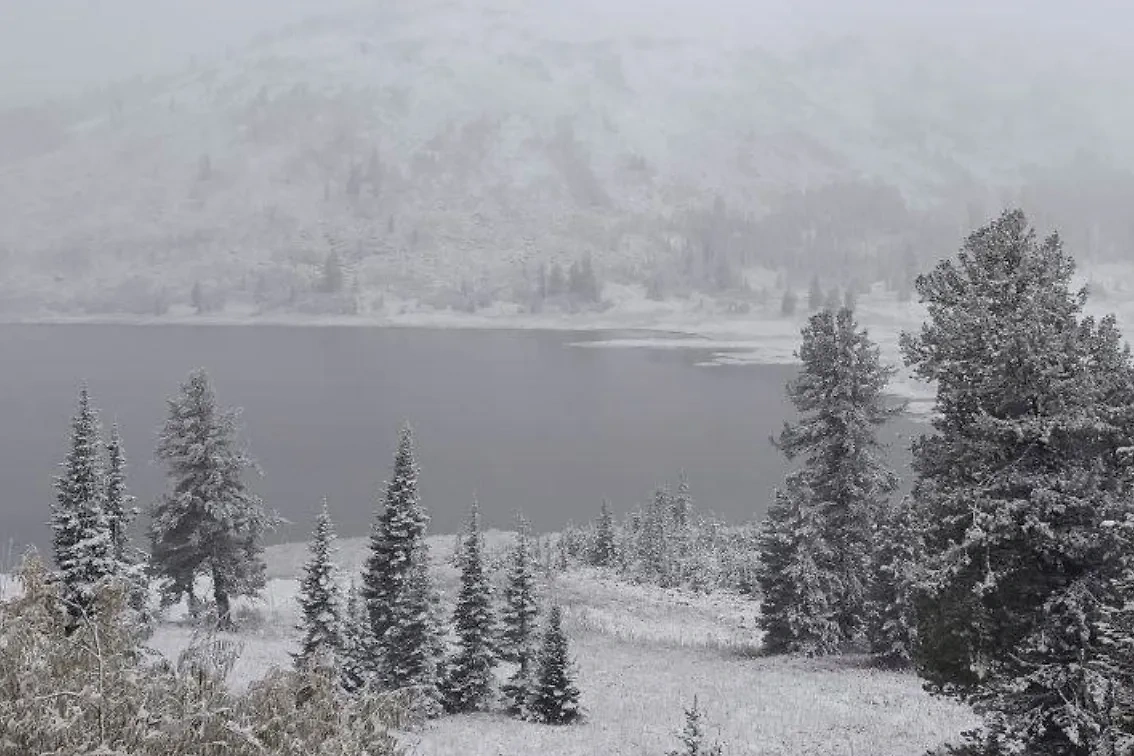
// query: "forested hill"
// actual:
[[446, 150]]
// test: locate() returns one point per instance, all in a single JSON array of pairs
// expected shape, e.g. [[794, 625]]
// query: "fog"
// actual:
[[49, 49]]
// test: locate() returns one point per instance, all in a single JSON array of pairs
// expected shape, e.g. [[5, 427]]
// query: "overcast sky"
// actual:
[[54, 46]]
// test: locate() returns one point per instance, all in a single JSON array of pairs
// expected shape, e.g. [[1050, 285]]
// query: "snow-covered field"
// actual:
[[642, 653]]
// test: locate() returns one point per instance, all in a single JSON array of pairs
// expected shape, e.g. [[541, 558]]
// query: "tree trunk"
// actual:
[[193, 602], [224, 607]]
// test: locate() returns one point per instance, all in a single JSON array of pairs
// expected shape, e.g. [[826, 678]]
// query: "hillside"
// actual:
[[445, 151], [642, 653]]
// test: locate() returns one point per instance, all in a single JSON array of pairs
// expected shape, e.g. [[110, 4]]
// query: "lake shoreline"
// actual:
[[732, 340]]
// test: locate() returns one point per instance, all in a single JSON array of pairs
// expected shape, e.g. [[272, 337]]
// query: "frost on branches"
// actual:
[[555, 699], [819, 534], [82, 529], [1020, 489], [319, 603], [93, 689], [469, 675], [120, 510], [893, 575], [208, 523], [401, 601], [358, 645], [798, 613], [518, 620]]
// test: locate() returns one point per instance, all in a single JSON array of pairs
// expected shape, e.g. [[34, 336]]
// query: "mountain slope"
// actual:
[[445, 150]]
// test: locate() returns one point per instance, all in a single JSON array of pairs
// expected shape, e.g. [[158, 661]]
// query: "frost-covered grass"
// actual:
[[642, 653]]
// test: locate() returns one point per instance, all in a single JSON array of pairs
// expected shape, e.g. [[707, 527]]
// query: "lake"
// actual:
[[519, 419]]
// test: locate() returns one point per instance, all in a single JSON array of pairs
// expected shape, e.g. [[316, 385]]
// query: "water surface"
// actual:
[[520, 419]]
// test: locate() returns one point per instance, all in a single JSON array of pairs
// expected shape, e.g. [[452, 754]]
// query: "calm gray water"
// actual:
[[519, 418]]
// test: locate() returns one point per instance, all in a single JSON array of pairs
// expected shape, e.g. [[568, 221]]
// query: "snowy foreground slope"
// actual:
[[642, 654]]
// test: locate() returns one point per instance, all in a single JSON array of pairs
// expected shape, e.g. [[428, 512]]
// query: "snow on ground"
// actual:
[[642, 653]]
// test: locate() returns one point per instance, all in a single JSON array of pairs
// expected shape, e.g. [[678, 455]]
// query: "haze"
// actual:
[[60, 47]]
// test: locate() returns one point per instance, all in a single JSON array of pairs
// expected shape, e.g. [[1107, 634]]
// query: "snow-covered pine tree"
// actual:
[[120, 511], [653, 543], [844, 479], [81, 530], [119, 504], [1019, 489], [396, 539], [555, 699], [209, 522], [413, 647], [891, 625], [681, 505], [469, 672], [798, 613], [603, 552], [518, 620], [357, 644], [321, 622], [693, 736]]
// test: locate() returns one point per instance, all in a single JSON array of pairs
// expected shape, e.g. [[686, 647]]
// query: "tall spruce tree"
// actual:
[[1020, 491], [396, 586], [321, 621], [843, 481], [82, 535], [555, 699], [209, 523], [891, 627], [469, 674], [518, 619], [603, 552]]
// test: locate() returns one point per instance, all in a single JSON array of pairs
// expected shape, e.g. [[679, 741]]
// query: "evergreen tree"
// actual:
[[321, 622], [399, 596], [556, 698], [412, 649], [693, 736], [518, 620], [209, 522], [120, 511], [814, 295], [603, 554], [681, 505], [653, 541], [788, 303], [798, 613], [469, 678], [357, 644], [1021, 490], [890, 613], [82, 535], [843, 480], [119, 504]]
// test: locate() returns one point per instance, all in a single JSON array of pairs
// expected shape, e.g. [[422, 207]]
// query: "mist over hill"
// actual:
[[466, 153]]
